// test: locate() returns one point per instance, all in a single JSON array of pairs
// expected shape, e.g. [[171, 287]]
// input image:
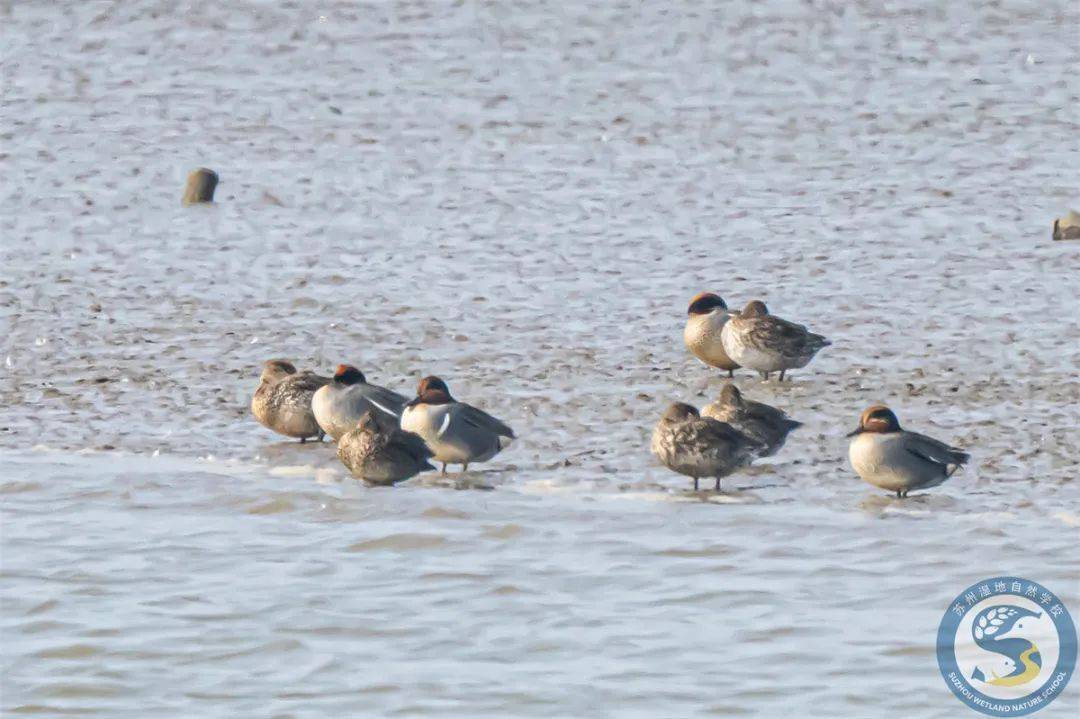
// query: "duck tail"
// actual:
[[959, 459]]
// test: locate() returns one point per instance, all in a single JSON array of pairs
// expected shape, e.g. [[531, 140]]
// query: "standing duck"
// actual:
[[282, 401], [706, 317], [765, 343], [456, 432], [897, 460], [767, 425], [339, 405], [382, 456], [687, 443]]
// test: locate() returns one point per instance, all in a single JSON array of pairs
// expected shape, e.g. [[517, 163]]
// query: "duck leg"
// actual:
[[465, 468], [322, 435], [731, 374], [782, 374], [442, 472], [695, 484], [303, 439], [764, 376], [717, 484], [899, 494]]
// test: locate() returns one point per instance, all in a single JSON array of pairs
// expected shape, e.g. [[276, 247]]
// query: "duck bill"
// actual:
[[857, 430]]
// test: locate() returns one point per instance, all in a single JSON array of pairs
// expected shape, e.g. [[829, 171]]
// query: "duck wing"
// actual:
[[410, 443], [932, 450], [478, 419], [786, 337], [385, 400], [710, 435], [306, 381]]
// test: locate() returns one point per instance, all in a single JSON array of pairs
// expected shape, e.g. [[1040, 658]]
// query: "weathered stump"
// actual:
[[201, 184], [1067, 228]]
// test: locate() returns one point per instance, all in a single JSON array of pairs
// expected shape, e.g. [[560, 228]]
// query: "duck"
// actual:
[[706, 317], [456, 432], [382, 456], [767, 425], [891, 458], [339, 404], [763, 342], [282, 401], [696, 446]]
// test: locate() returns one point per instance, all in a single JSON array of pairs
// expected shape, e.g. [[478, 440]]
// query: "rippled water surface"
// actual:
[[522, 198]]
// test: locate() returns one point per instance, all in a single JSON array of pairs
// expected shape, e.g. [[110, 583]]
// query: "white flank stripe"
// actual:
[[384, 409], [445, 425]]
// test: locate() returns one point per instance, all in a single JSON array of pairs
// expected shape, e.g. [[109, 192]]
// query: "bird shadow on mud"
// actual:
[[886, 505], [460, 481], [294, 448], [727, 494]]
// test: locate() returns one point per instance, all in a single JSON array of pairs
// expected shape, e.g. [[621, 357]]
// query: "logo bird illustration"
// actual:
[[999, 629]]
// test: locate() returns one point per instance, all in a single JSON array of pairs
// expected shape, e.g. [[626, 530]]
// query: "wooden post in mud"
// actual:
[[201, 184], [1067, 228]]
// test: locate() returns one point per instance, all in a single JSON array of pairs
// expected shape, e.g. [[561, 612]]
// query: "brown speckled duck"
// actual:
[[282, 402], [766, 424], [687, 443], [763, 342], [380, 456]]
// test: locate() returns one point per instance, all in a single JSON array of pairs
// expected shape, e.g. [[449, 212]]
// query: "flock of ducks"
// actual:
[[384, 438]]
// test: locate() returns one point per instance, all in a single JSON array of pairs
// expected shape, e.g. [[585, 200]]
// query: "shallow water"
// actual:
[[522, 199]]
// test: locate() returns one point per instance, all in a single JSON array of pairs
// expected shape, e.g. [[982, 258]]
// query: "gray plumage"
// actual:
[[339, 405], [456, 432], [891, 458], [763, 423]]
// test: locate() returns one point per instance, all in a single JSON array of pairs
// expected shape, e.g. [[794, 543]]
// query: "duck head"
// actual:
[[756, 308], [346, 374], [276, 370], [367, 422], [877, 418], [680, 412], [431, 390], [704, 303], [731, 395]]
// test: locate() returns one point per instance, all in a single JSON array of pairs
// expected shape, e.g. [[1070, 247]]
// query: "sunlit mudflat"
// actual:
[[522, 199]]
